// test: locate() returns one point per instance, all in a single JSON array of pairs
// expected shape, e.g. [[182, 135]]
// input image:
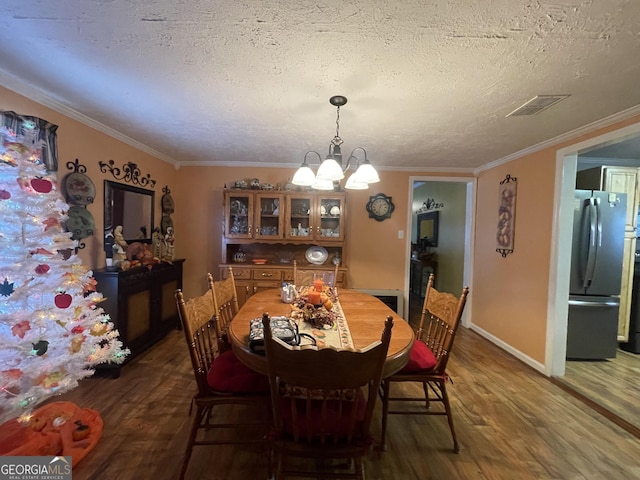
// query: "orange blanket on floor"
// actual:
[[59, 428]]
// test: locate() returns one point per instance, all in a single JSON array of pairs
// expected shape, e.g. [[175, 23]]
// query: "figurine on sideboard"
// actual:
[[109, 241], [157, 243], [119, 247], [169, 240], [118, 237]]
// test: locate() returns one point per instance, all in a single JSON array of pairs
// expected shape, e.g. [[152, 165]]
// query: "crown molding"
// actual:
[[12, 83], [589, 128]]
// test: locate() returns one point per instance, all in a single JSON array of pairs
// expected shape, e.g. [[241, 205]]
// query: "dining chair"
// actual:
[[225, 302], [221, 379], [302, 277], [441, 313], [323, 402]]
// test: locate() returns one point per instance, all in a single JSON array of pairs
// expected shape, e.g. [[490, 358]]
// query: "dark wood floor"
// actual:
[[613, 384], [512, 423]]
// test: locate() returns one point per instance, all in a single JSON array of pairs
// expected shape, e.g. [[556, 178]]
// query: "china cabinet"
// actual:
[[314, 217], [253, 215], [251, 279], [264, 231]]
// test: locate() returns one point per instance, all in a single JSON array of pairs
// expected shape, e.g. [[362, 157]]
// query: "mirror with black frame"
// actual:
[[131, 207], [427, 230]]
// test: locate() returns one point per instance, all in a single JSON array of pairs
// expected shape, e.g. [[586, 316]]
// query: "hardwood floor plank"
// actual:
[[611, 383], [512, 423]]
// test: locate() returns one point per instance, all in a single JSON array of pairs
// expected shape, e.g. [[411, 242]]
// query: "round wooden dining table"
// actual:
[[365, 315]]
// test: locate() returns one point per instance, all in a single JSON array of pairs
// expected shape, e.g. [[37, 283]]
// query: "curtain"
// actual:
[[46, 133]]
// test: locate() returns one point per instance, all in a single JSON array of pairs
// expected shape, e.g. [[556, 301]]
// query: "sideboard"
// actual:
[[141, 303]]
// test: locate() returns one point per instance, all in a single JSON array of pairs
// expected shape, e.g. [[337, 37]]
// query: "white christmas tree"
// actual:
[[52, 330]]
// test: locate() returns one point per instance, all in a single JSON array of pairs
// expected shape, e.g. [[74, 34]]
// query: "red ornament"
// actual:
[[5, 195], [63, 300], [42, 269], [41, 185], [77, 329]]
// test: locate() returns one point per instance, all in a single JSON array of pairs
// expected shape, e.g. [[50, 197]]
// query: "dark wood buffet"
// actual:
[[141, 303]]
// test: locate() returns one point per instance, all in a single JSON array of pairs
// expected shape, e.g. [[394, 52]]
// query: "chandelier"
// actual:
[[331, 169]]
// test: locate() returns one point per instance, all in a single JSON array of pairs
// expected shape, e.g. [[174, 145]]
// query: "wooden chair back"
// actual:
[[198, 319], [323, 399], [305, 277], [225, 302], [441, 314]]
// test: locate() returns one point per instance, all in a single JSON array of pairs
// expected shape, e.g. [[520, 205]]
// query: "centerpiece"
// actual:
[[315, 305]]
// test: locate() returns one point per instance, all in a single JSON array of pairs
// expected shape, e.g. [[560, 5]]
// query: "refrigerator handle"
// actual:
[[593, 238], [599, 226]]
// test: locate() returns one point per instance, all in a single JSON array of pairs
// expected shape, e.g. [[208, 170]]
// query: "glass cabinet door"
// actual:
[[330, 224], [268, 223], [238, 215], [299, 224]]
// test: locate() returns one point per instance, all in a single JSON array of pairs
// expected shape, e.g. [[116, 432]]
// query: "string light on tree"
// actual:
[[52, 330]]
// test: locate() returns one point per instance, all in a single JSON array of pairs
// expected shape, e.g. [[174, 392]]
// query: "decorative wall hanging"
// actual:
[[45, 134], [168, 206], [129, 173], [506, 215], [430, 204], [79, 191]]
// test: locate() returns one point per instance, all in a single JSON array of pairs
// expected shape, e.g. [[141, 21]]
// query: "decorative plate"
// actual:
[[316, 255], [79, 189], [80, 223]]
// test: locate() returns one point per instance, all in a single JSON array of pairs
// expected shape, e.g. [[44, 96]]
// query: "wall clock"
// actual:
[[380, 207]]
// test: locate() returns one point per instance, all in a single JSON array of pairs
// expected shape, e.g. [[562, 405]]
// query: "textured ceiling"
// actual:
[[429, 83]]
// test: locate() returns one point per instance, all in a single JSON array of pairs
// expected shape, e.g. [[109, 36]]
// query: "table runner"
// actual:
[[338, 336]]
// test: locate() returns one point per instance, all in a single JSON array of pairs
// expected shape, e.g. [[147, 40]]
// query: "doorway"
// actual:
[[619, 395], [453, 198]]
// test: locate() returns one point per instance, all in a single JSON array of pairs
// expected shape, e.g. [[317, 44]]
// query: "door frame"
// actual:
[[469, 229], [562, 230]]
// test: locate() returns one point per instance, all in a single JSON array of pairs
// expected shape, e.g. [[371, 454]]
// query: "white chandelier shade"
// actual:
[[330, 169]]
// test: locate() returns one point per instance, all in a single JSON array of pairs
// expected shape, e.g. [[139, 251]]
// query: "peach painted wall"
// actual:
[[510, 295], [76, 140], [375, 256]]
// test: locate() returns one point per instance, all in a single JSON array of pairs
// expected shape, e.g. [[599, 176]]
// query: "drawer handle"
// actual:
[[266, 274]]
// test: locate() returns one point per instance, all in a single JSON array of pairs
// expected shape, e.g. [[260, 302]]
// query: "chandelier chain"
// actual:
[[337, 140]]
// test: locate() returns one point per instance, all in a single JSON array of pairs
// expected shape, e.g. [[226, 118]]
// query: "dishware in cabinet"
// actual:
[[315, 217], [331, 209], [268, 219], [253, 215], [299, 223], [238, 214]]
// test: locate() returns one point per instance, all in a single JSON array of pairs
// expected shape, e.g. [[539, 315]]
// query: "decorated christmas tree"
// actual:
[[52, 330]]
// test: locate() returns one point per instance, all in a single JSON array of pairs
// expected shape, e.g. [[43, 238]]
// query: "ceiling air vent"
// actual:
[[537, 104]]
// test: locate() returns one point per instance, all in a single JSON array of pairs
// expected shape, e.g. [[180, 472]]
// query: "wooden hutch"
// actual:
[[265, 231]]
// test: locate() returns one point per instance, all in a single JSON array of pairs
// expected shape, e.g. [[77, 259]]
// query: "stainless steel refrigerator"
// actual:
[[596, 271]]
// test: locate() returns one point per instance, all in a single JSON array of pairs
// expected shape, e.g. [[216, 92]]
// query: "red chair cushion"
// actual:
[[228, 374], [420, 358]]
